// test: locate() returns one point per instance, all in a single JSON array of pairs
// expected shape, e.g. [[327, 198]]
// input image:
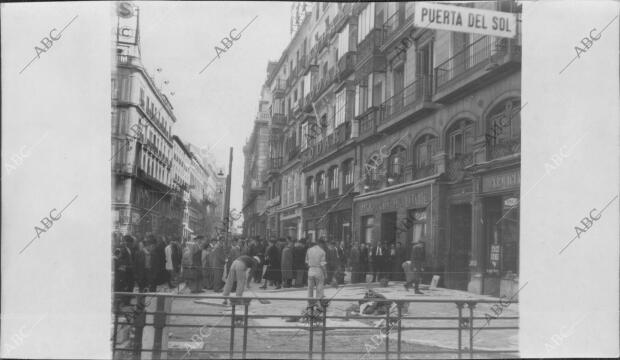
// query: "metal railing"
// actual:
[[406, 99], [482, 52], [157, 319]]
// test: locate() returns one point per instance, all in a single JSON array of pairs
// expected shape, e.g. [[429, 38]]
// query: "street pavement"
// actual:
[[281, 310]]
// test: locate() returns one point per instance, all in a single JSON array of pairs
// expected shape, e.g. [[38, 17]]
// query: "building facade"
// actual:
[[403, 134], [158, 185]]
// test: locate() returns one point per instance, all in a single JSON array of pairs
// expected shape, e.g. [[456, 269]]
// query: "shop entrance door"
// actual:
[[388, 228], [460, 247]]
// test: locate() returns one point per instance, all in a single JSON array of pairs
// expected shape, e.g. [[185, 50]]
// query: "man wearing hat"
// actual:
[[241, 271]]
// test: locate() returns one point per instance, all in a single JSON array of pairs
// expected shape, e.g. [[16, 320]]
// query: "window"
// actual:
[[341, 101], [304, 135], [320, 183], [347, 172], [424, 150], [505, 122], [377, 94], [365, 22], [114, 89], [368, 223], [460, 138], [343, 42], [396, 161], [333, 178], [310, 189]]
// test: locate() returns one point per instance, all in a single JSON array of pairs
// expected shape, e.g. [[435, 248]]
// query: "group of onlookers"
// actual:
[[203, 264]]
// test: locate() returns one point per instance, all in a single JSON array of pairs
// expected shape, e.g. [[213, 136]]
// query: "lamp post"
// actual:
[[227, 198]]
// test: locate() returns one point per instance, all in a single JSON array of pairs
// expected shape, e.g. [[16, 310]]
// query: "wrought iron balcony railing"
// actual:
[[346, 65], [484, 52], [369, 121], [504, 147], [407, 99]]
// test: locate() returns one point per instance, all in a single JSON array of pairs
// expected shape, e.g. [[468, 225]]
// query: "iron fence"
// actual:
[[157, 313]]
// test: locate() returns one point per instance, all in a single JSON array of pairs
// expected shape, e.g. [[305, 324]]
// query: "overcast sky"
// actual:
[[216, 108]]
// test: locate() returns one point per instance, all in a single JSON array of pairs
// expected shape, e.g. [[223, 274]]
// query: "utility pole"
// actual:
[[227, 198]]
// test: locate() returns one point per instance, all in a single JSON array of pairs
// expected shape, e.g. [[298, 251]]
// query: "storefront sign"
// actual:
[[404, 200], [501, 181], [465, 19]]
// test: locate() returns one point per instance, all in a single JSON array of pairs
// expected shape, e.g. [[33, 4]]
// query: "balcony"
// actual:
[[124, 169], [274, 164], [324, 83], [484, 59], [307, 103], [318, 150], [302, 65], [343, 132], [320, 196], [278, 119], [455, 167], [369, 56], [396, 24], [369, 121], [279, 89], [309, 199], [424, 171], [346, 65], [410, 100], [504, 148]]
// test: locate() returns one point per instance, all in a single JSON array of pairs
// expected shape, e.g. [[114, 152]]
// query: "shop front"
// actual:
[[290, 222], [330, 219], [496, 231], [406, 215]]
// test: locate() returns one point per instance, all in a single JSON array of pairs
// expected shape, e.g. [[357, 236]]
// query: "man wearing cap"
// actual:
[[241, 271]]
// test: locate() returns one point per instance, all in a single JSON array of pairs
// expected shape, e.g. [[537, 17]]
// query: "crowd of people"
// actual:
[[204, 264]]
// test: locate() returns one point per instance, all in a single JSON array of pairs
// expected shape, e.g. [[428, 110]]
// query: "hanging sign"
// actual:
[[465, 19]]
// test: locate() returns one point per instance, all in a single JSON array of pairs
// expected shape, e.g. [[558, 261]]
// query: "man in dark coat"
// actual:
[[287, 264], [272, 259], [364, 262], [354, 263], [342, 263], [126, 261], [378, 257], [331, 256], [299, 263], [413, 268]]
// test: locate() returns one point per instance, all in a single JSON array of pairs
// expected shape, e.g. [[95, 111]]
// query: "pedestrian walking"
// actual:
[[316, 261], [414, 267], [299, 263], [207, 277], [287, 264], [235, 252], [240, 274]]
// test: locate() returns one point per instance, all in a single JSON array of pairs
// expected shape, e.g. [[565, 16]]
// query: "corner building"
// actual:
[[401, 134]]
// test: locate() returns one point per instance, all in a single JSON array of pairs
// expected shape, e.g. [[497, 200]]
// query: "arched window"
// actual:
[[504, 122], [460, 138], [396, 162], [423, 151]]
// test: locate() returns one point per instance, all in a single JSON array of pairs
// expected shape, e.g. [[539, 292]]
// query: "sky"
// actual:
[[216, 108]]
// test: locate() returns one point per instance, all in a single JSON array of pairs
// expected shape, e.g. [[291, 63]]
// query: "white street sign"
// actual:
[[465, 19]]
